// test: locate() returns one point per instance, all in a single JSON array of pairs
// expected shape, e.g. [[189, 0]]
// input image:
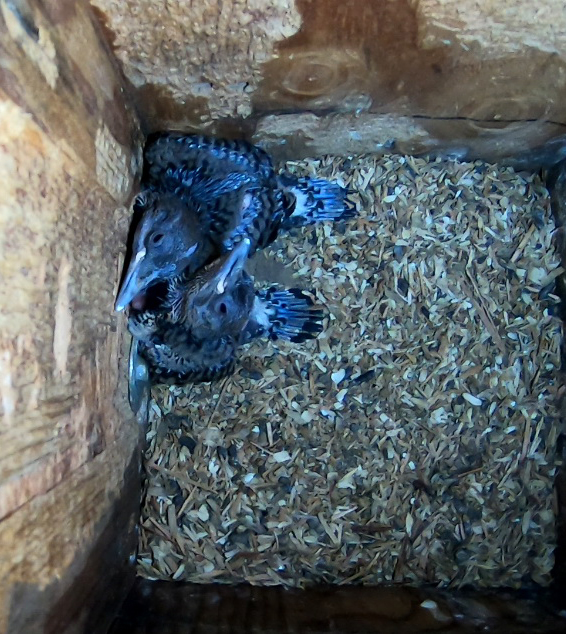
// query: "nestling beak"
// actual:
[[132, 284], [233, 264], [144, 270]]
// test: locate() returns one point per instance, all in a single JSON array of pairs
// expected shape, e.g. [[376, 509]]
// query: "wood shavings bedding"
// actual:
[[414, 441]]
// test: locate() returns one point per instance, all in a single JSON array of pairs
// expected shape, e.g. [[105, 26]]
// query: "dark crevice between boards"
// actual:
[[156, 607], [556, 183]]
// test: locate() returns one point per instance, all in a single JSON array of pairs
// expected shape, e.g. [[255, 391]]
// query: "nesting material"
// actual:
[[414, 441]]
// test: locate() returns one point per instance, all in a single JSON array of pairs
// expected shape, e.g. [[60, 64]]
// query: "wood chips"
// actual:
[[414, 441]]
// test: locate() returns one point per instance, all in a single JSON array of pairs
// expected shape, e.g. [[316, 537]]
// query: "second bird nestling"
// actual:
[[205, 318]]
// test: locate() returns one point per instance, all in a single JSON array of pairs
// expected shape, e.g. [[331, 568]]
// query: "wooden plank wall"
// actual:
[[69, 472], [471, 78], [175, 608]]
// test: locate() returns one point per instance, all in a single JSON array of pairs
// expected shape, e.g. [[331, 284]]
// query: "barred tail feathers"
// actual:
[[286, 314], [316, 200]]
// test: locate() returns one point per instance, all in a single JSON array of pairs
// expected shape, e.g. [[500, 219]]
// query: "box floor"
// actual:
[[414, 441]]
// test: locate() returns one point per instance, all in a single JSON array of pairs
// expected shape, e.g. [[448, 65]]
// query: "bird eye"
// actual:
[[157, 238], [223, 308]]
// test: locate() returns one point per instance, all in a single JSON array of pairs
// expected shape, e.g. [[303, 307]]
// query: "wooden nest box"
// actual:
[[81, 85]]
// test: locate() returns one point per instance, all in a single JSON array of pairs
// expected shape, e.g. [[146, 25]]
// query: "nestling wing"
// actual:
[[176, 357], [192, 152], [230, 184]]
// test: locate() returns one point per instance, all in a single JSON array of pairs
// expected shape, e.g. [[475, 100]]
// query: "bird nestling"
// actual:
[[209, 316], [202, 196]]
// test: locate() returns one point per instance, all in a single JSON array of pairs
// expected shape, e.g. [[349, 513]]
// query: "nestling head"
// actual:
[[166, 241], [220, 296]]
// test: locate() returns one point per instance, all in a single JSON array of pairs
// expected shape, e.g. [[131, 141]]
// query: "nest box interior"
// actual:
[[365, 82]]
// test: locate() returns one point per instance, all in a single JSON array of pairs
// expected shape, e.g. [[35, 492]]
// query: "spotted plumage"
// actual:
[[232, 190], [211, 314]]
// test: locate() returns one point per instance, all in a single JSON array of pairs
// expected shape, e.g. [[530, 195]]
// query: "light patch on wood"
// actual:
[[306, 134], [7, 391], [28, 165], [492, 28], [207, 50], [35, 389], [327, 79], [112, 169], [39, 49], [13, 121], [63, 319]]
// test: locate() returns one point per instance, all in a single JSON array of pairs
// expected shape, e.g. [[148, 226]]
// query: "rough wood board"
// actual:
[[202, 53], [292, 136], [156, 607], [65, 555], [492, 28], [476, 77], [69, 150]]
